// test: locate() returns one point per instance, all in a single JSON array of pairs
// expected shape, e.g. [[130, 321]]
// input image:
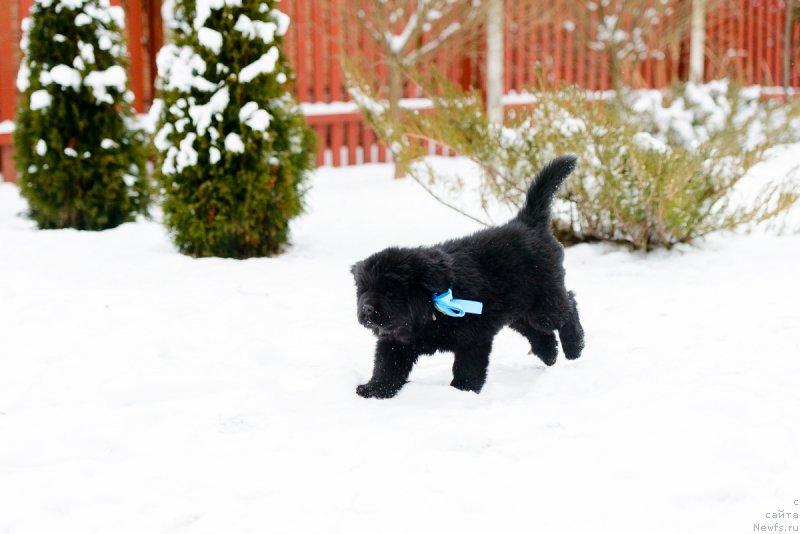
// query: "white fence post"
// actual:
[[494, 61], [697, 51]]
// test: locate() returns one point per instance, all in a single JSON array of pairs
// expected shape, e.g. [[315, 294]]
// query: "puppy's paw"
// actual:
[[573, 355], [572, 350], [377, 390], [548, 358], [465, 384], [545, 347]]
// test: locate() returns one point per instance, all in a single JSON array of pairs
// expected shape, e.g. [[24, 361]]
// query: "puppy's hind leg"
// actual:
[[470, 365], [571, 332], [543, 344]]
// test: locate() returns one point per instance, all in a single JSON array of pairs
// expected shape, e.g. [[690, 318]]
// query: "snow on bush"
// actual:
[[74, 98], [691, 116], [233, 147]]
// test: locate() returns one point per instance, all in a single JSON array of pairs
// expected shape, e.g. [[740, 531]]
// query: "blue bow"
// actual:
[[446, 304]]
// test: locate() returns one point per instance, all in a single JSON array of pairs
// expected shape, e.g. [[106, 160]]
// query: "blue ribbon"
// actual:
[[446, 304]]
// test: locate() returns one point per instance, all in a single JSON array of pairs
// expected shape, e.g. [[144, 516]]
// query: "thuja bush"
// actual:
[[79, 153], [234, 150], [655, 169]]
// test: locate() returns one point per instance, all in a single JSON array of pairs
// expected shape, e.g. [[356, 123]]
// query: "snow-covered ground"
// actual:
[[142, 391]]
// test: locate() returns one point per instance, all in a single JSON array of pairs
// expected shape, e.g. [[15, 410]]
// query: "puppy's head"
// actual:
[[395, 287]]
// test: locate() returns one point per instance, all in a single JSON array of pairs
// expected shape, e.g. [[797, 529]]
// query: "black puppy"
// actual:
[[515, 270]]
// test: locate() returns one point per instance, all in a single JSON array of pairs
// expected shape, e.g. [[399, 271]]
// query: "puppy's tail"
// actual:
[[536, 210]]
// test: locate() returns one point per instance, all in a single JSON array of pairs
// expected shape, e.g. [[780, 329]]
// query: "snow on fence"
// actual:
[[743, 37]]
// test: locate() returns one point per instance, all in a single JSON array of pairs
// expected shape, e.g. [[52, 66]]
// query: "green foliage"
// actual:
[[79, 154], [234, 150], [652, 173]]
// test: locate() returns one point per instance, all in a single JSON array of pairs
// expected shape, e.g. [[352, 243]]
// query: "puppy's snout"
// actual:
[[367, 314]]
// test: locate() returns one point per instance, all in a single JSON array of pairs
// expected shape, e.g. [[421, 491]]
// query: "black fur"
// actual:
[[516, 270]]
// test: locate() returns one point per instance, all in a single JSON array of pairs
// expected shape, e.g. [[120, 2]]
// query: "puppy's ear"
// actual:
[[356, 267], [436, 270]]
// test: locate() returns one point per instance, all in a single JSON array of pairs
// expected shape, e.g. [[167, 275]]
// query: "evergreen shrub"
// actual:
[[79, 151], [234, 150]]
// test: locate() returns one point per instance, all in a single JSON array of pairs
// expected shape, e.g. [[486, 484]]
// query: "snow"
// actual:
[[398, 42], [781, 166], [6, 127], [254, 118], [263, 65], [161, 141], [233, 143], [256, 28], [100, 81], [186, 155], [65, 76], [104, 42], [181, 68], [571, 126], [259, 120], [145, 391], [23, 76], [86, 51], [82, 19], [70, 4], [282, 20], [518, 98], [691, 117], [339, 107], [328, 108], [117, 14], [415, 103], [211, 39], [40, 99], [648, 142], [203, 114], [41, 147], [434, 14], [214, 155], [203, 11], [180, 124], [168, 167]]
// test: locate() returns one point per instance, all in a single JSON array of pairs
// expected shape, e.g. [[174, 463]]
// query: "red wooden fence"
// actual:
[[744, 37]]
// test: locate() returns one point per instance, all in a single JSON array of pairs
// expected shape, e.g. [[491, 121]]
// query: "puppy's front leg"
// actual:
[[393, 363], [469, 367]]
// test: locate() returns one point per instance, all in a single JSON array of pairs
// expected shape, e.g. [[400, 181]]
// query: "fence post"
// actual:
[[787, 49], [697, 50], [494, 61], [135, 52]]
